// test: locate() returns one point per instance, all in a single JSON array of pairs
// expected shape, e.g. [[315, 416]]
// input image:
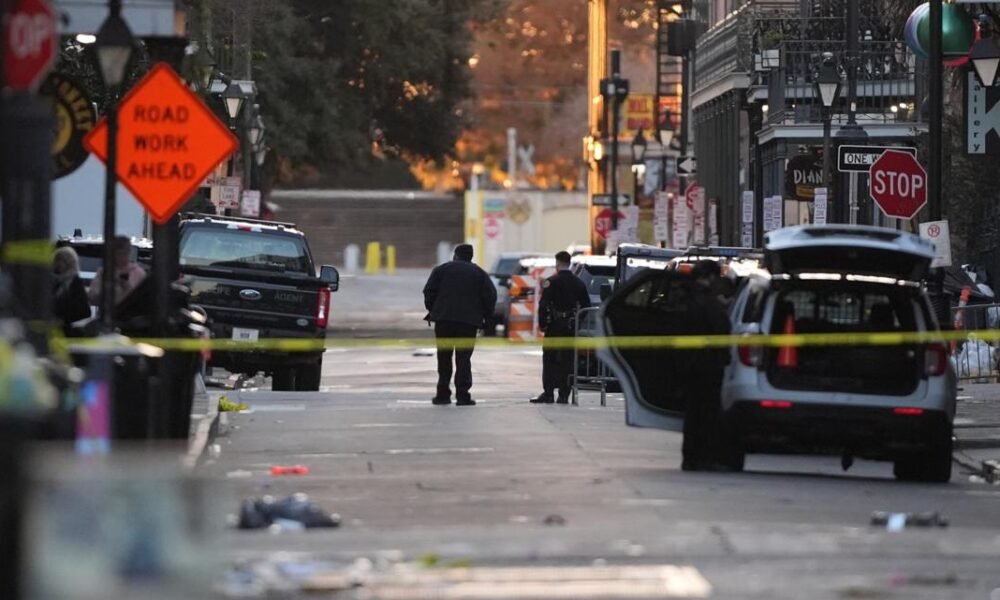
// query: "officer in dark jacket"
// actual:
[[703, 448], [563, 295], [459, 297]]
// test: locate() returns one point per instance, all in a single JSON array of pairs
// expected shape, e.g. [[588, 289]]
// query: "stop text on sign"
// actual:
[[907, 185], [30, 35]]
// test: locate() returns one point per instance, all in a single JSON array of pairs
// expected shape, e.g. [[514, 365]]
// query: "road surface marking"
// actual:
[[274, 408], [472, 450], [529, 583]]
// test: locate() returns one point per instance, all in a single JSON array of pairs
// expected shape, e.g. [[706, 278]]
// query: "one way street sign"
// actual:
[[687, 165]]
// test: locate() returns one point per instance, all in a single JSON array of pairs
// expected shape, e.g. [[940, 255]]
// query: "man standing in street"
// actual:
[[704, 448], [563, 295], [460, 298]]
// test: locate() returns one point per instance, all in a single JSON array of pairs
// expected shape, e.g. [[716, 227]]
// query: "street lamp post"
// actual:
[[638, 162], [114, 49], [666, 136], [615, 89], [233, 99], [827, 89]]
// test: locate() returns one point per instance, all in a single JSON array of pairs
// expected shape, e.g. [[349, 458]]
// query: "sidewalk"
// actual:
[[977, 422]]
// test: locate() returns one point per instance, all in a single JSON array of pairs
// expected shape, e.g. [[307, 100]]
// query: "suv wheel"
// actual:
[[930, 466], [283, 380], [307, 378]]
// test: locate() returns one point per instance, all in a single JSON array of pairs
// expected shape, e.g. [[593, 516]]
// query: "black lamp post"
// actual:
[[233, 99], [114, 49], [614, 90], [638, 162], [827, 89], [666, 136]]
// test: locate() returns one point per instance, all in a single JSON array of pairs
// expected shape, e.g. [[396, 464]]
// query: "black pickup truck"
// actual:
[[257, 281]]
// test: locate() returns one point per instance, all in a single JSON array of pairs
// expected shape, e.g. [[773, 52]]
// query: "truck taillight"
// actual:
[[935, 359], [323, 308]]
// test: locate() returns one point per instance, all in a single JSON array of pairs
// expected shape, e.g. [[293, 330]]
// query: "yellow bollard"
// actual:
[[390, 260], [373, 259]]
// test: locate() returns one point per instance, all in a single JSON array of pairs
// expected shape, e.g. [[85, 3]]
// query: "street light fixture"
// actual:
[[234, 98], [666, 132], [256, 131], [828, 81], [639, 148], [985, 57], [827, 89], [614, 90], [113, 48], [204, 68]]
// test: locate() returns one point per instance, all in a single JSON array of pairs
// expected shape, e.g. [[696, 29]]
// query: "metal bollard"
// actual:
[[373, 258], [352, 258], [390, 260]]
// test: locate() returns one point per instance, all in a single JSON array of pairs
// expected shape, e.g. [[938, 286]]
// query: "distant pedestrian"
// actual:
[[563, 295], [69, 295], [128, 274], [459, 297], [703, 448]]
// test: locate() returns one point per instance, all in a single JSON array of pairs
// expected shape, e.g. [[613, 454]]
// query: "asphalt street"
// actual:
[[548, 501]]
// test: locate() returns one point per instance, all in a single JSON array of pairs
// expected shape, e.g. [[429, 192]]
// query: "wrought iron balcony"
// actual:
[[767, 43]]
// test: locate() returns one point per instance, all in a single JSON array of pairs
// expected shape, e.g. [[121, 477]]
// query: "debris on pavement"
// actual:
[[424, 352], [288, 514], [289, 470], [554, 520], [897, 521], [227, 405]]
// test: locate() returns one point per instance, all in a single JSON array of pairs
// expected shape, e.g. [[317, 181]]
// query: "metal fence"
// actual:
[[589, 373], [975, 359]]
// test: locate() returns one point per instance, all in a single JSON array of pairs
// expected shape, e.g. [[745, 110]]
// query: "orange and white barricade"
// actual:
[[521, 316]]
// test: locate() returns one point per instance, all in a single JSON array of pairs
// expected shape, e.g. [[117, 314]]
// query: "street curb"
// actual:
[[207, 428], [977, 443]]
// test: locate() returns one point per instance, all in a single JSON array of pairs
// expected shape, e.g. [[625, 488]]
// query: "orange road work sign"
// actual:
[[168, 142]]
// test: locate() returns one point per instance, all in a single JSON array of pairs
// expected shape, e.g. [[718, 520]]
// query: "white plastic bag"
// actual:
[[976, 360]]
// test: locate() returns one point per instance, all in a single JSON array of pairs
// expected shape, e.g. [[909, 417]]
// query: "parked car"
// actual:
[[881, 402], [596, 272], [507, 265], [256, 280], [90, 249]]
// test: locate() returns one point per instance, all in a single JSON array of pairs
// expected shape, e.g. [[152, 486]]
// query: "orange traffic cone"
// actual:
[[788, 356]]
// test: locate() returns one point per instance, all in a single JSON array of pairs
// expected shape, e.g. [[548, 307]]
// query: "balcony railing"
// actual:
[[890, 80]]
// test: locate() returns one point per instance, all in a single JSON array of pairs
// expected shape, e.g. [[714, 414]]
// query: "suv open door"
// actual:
[[656, 381]]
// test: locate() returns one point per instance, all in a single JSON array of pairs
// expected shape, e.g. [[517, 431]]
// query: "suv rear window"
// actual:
[[506, 267], [215, 247], [839, 308]]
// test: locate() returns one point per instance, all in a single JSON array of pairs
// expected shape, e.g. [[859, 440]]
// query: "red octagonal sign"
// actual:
[[29, 43], [898, 184]]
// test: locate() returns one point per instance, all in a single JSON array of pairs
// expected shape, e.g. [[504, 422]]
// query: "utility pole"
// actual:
[[936, 113]]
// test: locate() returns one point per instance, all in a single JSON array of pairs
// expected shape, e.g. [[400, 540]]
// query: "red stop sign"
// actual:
[[898, 184], [602, 223], [29, 38]]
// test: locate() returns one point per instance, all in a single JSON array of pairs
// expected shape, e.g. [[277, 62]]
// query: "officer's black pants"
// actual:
[[557, 359], [458, 339], [702, 427]]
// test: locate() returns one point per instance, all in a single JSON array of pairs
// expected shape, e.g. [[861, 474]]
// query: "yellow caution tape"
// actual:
[[28, 252], [665, 342]]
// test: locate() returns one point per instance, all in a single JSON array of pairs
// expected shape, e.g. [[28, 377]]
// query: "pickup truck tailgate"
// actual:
[[258, 304]]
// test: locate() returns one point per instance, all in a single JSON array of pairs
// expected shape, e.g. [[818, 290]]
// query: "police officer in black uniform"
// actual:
[[563, 295], [704, 447]]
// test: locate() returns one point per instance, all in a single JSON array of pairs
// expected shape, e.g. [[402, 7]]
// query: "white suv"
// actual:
[[880, 402]]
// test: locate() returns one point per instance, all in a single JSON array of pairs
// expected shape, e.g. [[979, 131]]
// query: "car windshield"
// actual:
[[596, 276], [506, 267], [203, 247]]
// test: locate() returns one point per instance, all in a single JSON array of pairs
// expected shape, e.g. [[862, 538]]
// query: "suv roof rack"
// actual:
[[206, 216]]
